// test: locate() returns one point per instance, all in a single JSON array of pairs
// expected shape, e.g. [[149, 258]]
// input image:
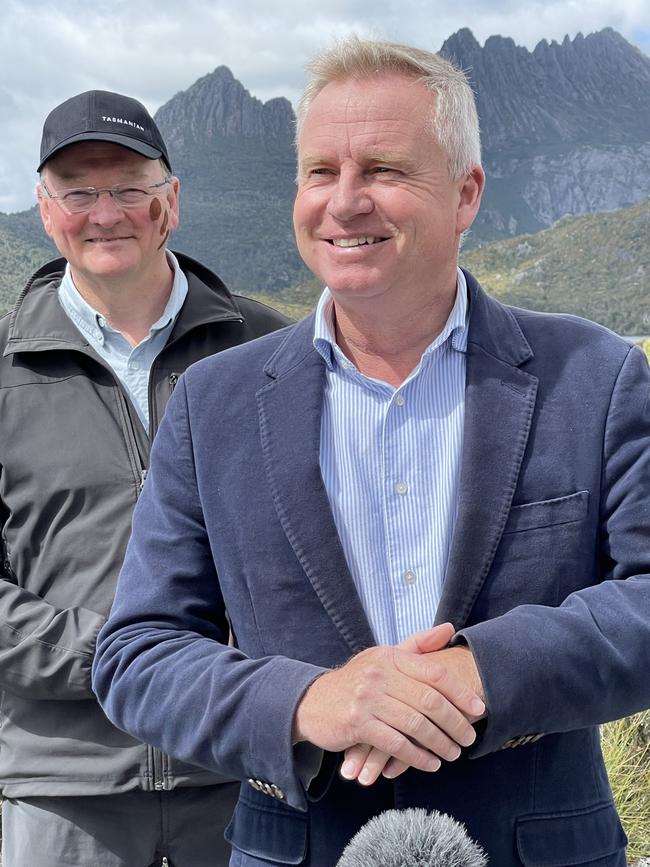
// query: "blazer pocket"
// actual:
[[579, 837], [263, 828], [548, 513]]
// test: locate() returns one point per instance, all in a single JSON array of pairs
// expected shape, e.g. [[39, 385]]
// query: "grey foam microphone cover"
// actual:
[[412, 838]]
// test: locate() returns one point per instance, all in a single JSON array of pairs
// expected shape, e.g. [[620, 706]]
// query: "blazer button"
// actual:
[[277, 792], [255, 784]]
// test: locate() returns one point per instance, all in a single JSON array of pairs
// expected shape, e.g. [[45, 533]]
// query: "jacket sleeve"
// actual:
[[586, 661], [45, 652], [163, 671]]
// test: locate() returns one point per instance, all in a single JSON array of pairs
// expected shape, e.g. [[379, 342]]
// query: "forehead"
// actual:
[[390, 109], [81, 159]]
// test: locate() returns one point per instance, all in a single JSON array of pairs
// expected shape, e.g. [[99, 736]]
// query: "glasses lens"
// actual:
[[129, 197], [77, 201]]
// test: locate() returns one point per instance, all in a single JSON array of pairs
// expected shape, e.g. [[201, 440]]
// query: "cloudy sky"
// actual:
[[151, 49]]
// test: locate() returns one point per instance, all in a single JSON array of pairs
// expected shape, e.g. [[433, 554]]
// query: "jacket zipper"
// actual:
[[155, 756]]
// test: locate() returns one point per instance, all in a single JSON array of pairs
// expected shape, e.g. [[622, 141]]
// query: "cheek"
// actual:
[[155, 210], [308, 207]]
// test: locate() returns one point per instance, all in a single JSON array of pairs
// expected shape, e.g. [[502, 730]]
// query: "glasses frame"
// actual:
[[97, 191]]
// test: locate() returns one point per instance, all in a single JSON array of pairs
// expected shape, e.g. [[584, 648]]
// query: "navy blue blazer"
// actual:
[[547, 582]]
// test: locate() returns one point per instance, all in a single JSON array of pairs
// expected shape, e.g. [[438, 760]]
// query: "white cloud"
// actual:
[[52, 49]]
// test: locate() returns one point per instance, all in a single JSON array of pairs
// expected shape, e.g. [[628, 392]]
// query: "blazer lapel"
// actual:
[[499, 405], [290, 408]]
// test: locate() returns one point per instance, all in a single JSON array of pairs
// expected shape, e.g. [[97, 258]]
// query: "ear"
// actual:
[[470, 189], [44, 204], [173, 201]]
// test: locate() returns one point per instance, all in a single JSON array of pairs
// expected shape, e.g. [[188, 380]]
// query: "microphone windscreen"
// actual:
[[412, 838]]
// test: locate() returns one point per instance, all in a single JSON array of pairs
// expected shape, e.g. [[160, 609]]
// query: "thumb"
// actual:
[[429, 640]]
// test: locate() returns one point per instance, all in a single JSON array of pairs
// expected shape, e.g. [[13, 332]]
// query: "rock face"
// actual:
[[565, 128], [217, 105], [235, 157]]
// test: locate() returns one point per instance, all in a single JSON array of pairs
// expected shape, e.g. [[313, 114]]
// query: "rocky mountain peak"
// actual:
[[461, 43], [588, 90], [218, 105]]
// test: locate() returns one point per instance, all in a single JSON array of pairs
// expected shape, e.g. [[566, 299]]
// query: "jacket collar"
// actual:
[[493, 330], [38, 322]]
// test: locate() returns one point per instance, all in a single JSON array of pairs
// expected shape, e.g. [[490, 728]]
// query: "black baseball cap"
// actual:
[[99, 115]]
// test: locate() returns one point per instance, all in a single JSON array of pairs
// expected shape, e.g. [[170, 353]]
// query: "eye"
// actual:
[[75, 198], [384, 170], [129, 195]]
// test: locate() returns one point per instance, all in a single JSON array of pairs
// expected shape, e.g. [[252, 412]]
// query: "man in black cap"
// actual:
[[89, 356]]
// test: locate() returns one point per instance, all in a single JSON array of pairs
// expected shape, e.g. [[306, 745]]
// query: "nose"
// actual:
[[350, 197], [105, 212]]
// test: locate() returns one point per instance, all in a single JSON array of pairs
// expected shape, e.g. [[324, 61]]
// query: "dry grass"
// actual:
[[626, 746]]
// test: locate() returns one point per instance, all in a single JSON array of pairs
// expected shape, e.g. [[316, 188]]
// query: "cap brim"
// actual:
[[126, 141]]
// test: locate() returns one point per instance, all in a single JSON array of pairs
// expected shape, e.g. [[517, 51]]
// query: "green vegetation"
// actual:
[[626, 747], [23, 249], [596, 266]]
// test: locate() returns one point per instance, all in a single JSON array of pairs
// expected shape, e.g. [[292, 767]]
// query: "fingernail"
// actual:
[[469, 738], [347, 770], [433, 765], [477, 707], [455, 753], [365, 777]]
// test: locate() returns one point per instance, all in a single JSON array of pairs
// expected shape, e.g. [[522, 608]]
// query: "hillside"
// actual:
[[596, 266], [23, 248]]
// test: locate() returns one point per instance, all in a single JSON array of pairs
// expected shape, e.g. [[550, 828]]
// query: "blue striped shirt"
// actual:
[[390, 461], [131, 364]]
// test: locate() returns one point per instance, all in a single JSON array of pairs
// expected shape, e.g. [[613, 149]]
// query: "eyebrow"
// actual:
[[392, 158]]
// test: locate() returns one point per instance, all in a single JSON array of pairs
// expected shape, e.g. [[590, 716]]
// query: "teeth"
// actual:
[[354, 242]]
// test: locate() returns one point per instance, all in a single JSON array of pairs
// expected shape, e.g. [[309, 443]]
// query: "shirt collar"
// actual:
[[455, 327], [88, 320]]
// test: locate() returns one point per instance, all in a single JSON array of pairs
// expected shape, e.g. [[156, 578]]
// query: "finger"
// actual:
[[417, 726], [443, 681], [429, 639], [393, 768], [396, 744], [373, 767], [354, 760]]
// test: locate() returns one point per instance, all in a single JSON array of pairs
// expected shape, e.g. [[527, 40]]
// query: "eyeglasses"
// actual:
[[82, 199]]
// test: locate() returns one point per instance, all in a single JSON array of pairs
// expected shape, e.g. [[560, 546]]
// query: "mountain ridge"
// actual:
[[566, 130]]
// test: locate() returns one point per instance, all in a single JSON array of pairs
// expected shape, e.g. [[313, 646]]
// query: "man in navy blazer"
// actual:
[[540, 467]]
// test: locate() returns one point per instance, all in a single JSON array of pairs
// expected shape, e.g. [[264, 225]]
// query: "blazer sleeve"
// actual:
[[163, 670], [586, 661]]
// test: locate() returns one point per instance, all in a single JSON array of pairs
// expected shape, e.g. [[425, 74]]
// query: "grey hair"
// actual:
[[454, 118]]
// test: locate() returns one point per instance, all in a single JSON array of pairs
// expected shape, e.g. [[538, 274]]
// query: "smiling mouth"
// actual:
[[105, 240], [356, 242]]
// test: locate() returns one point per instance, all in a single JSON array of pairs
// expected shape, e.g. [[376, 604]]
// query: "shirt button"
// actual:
[[400, 400], [401, 488], [101, 321], [410, 577]]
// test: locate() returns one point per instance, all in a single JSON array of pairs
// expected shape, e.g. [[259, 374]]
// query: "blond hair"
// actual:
[[454, 120]]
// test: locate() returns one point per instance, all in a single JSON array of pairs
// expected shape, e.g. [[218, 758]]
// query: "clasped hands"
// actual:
[[391, 708]]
